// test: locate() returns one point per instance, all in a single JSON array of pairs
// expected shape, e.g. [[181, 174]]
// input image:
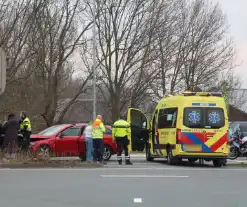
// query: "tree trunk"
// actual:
[[115, 108]]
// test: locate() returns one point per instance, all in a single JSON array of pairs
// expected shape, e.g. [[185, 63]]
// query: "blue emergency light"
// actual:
[[203, 104]]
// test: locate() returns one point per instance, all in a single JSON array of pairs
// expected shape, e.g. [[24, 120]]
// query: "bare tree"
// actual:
[[126, 30], [59, 34], [208, 51], [193, 49], [231, 86], [167, 46], [16, 19]]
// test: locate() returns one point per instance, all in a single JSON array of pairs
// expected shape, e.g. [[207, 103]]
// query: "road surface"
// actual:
[[143, 184]]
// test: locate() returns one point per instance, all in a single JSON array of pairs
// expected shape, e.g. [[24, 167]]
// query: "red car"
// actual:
[[68, 140]]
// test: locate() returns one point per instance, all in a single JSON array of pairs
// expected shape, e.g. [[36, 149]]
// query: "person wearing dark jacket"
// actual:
[[11, 128]]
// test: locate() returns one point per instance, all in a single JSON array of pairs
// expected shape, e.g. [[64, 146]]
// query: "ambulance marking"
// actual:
[[186, 140], [219, 143], [200, 136], [196, 140], [208, 140]]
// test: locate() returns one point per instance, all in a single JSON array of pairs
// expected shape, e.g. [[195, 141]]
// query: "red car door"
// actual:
[[66, 143]]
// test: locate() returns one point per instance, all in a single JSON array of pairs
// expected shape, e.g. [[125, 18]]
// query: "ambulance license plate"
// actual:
[[193, 147]]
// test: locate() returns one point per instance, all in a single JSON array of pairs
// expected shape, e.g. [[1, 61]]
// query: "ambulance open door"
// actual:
[[139, 129]]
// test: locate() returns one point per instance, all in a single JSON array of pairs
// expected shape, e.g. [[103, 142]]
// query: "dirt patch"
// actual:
[[48, 164], [27, 161]]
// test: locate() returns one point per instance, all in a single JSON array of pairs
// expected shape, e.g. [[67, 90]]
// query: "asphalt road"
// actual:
[[143, 184]]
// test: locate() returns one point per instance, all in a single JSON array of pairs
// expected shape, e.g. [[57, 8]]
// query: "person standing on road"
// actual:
[[120, 132], [98, 130], [26, 130], [11, 128], [89, 142]]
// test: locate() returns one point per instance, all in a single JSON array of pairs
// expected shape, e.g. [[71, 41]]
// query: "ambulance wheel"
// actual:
[[170, 159], [217, 163], [148, 154]]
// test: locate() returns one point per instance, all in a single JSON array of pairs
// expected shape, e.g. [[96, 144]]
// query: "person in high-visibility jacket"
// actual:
[[120, 132], [98, 130], [26, 130]]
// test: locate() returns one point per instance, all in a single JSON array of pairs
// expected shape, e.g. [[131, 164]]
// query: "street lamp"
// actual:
[[94, 60]]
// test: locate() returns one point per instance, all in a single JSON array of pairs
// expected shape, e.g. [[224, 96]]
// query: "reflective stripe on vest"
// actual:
[[121, 128], [97, 132]]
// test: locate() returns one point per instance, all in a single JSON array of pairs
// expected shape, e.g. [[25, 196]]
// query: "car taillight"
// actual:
[[178, 136]]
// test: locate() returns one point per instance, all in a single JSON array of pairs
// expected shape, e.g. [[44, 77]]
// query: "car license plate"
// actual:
[[193, 148]]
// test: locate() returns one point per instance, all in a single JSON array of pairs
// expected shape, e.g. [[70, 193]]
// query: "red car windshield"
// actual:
[[51, 130]]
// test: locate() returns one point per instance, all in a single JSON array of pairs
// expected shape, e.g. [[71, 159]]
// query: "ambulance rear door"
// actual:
[[139, 129]]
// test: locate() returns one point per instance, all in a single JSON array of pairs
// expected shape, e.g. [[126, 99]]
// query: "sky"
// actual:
[[237, 18]]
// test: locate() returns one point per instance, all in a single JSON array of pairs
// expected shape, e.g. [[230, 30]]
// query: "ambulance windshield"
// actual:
[[209, 118]]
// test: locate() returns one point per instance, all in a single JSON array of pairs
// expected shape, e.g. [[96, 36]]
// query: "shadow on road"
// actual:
[[164, 162], [187, 164]]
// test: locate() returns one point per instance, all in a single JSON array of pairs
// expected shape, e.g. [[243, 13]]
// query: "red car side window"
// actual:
[[73, 131], [108, 131]]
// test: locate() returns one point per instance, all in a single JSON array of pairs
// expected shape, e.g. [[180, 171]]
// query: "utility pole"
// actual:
[[94, 60], [3, 65]]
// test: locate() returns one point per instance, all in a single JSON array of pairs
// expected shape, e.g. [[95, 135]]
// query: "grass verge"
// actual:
[[237, 164], [28, 161]]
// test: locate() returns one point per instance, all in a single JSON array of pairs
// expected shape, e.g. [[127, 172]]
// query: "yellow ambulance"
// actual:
[[193, 125]]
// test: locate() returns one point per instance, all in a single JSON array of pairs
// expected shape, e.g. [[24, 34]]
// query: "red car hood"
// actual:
[[39, 136]]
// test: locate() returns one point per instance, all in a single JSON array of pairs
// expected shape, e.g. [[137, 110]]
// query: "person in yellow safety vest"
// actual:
[[98, 130], [26, 130], [120, 132]]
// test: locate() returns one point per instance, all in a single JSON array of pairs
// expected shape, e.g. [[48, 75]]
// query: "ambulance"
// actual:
[[192, 126]]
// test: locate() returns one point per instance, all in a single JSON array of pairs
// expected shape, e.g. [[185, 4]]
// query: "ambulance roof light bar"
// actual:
[[218, 94], [189, 93]]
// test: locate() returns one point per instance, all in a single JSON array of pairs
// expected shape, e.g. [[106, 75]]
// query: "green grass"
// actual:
[[237, 164]]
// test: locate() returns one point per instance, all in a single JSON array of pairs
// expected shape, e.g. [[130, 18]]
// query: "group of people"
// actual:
[[10, 129], [94, 133]]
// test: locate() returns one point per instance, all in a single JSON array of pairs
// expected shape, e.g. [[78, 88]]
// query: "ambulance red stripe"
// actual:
[[200, 136], [185, 140], [219, 143]]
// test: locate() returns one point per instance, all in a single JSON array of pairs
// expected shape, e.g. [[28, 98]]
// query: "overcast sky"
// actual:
[[237, 18]]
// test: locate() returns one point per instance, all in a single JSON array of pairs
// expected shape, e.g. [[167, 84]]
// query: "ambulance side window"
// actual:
[[167, 118]]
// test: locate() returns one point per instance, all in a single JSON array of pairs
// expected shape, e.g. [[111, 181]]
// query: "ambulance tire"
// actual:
[[148, 154], [170, 159], [217, 163]]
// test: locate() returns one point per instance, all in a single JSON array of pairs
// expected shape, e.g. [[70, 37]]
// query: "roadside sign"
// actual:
[[2, 71]]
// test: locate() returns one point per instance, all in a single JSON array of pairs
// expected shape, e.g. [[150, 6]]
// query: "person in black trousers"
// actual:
[[11, 128]]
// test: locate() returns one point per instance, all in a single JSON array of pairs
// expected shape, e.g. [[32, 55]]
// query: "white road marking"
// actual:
[[144, 176], [123, 168], [137, 200]]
